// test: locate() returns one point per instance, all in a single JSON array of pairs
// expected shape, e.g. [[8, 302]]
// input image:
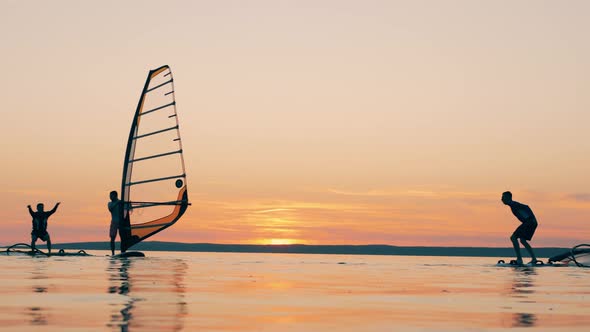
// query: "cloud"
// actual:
[[273, 210], [361, 193], [580, 197]]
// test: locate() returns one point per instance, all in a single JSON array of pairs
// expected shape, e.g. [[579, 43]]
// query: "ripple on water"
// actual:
[[275, 292]]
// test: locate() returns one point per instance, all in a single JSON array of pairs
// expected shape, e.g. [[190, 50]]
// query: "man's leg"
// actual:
[[514, 240], [48, 244], [33, 240], [529, 249], [113, 235]]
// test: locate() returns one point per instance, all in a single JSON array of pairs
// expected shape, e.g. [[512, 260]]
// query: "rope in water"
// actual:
[[80, 252], [33, 250]]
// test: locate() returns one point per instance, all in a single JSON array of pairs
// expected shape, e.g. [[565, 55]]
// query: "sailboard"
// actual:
[[513, 263], [577, 256], [154, 188], [25, 249]]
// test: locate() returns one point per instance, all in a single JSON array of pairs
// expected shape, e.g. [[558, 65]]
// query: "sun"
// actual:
[[278, 241]]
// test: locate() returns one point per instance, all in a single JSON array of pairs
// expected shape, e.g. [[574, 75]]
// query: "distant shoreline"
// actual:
[[316, 249]]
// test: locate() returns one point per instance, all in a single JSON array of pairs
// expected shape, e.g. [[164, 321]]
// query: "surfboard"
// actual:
[[25, 249], [129, 254], [512, 263]]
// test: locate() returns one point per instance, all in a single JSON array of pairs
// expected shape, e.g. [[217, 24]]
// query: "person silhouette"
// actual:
[[115, 208], [526, 230], [40, 218]]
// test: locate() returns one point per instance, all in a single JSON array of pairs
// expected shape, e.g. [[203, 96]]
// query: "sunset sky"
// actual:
[[318, 122]]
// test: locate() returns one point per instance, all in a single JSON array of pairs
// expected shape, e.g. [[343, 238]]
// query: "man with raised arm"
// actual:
[[39, 231], [115, 206], [526, 230]]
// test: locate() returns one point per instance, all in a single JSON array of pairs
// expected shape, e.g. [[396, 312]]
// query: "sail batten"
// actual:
[[158, 86], [155, 156], [155, 180], [151, 226], [155, 132], [158, 108], [153, 199], [139, 205]]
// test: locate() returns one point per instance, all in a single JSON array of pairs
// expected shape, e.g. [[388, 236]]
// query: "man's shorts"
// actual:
[[43, 236], [525, 231]]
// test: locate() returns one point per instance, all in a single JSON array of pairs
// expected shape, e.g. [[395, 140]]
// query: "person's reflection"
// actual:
[[157, 304], [37, 314], [522, 287], [119, 275], [179, 271], [524, 320]]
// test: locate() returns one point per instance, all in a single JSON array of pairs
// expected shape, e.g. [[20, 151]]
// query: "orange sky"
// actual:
[[394, 122]]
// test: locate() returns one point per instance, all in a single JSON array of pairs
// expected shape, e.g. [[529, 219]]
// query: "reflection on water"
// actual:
[[40, 289], [524, 320], [39, 276], [119, 278], [37, 314], [523, 289], [255, 292], [153, 293]]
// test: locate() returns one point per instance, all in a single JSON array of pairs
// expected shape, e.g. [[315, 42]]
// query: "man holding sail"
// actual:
[[114, 206]]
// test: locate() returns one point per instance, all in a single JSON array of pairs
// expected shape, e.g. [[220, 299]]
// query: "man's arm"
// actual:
[[54, 209], [31, 211], [531, 214], [113, 205], [524, 212]]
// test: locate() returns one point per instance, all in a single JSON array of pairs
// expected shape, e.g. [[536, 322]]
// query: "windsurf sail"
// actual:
[[579, 255], [154, 189]]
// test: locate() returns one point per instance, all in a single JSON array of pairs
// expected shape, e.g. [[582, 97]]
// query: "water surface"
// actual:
[[287, 292]]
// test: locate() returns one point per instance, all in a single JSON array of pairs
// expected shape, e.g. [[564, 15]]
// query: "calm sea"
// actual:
[[286, 292]]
